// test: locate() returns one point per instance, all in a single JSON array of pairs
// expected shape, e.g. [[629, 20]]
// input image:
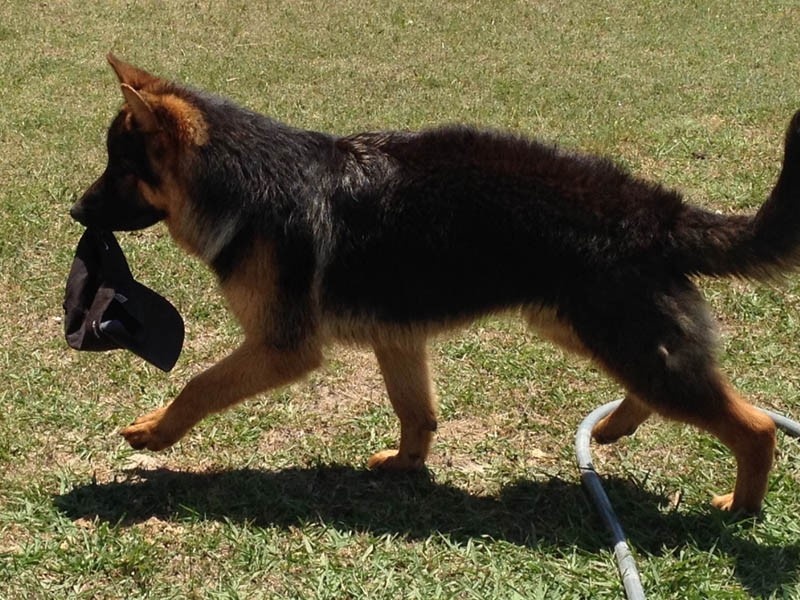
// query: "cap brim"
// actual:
[[159, 339], [106, 309]]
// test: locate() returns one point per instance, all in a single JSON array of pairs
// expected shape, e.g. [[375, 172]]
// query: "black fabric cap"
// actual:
[[106, 309]]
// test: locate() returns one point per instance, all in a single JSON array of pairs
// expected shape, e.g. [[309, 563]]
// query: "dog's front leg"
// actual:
[[250, 369], [405, 372]]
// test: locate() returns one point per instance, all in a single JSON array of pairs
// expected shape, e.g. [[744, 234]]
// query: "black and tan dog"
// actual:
[[387, 238]]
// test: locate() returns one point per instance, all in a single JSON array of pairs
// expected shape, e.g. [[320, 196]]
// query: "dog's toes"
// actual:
[[605, 433], [139, 438], [382, 460], [145, 432], [608, 432], [135, 441], [602, 433], [136, 438], [392, 460], [728, 503], [603, 439], [723, 501]]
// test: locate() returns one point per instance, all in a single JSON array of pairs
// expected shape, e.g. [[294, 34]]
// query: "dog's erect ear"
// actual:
[[126, 73], [146, 119], [158, 106]]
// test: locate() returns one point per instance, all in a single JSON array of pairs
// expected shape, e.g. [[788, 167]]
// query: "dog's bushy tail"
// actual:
[[763, 246]]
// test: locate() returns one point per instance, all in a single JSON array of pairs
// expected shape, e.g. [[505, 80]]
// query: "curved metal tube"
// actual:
[[631, 580]]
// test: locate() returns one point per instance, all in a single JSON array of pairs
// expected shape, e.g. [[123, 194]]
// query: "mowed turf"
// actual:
[[272, 499]]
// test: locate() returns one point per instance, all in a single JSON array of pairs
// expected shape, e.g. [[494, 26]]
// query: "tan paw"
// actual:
[[148, 431], [723, 502], [606, 432], [392, 460], [728, 503]]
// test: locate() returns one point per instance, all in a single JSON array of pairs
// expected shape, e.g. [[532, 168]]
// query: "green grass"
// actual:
[[272, 498]]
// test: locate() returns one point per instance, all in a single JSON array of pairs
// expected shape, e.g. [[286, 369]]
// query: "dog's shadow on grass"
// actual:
[[541, 514]]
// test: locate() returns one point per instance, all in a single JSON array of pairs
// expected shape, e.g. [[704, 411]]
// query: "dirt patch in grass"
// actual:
[[353, 383], [349, 386]]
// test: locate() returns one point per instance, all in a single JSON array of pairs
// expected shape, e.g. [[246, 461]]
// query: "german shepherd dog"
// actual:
[[387, 238]]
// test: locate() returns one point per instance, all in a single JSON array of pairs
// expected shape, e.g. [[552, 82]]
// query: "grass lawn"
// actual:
[[272, 499]]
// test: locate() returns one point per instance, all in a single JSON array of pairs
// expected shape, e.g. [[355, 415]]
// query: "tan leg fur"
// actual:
[[405, 372], [623, 421], [250, 369]]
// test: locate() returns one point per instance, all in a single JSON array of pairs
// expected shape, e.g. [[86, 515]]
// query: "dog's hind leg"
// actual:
[[745, 430], [405, 372], [750, 435], [660, 345], [252, 368], [628, 415], [625, 419], [708, 402]]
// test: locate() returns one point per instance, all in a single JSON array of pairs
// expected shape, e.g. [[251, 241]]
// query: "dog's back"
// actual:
[[458, 222]]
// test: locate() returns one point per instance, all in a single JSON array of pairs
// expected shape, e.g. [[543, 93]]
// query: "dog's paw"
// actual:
[[602, 438], [148, 431], [607, 431], [723, 502], [392, 460], [727, 503]]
